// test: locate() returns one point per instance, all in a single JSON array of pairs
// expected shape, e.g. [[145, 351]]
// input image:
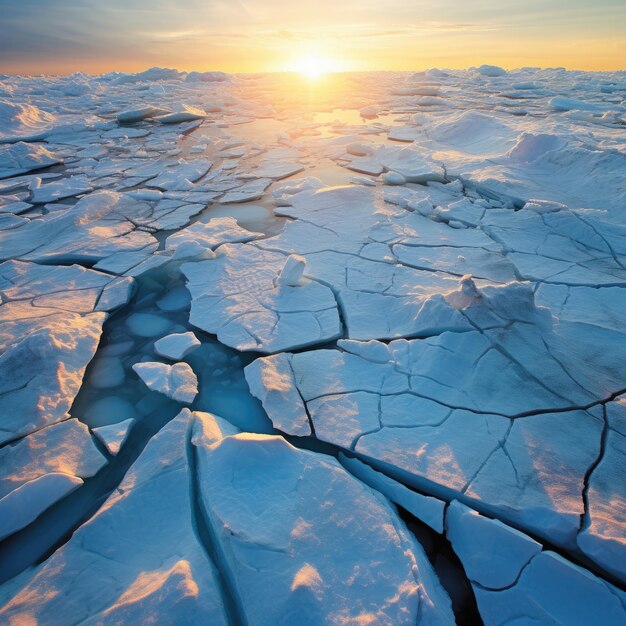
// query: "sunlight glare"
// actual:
[[314, 66]]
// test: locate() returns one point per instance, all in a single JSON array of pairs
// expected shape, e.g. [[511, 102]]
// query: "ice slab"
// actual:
[[181, 176], [21, 157], [603, 536], [50, 324], [493, 554], [42, 468], [57, 190], [202, 236], [414, 166], [271, 381], [288, 556], [133, 116], [96, 227], [185, 114], [177, 346], [561, 247], [252, 190], [238, 297], [552, 590], [425, 508], [25, 503], [276, 170], [114, 436], [177, 381]]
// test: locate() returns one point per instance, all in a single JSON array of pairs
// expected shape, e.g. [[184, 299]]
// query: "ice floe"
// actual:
[[515, 579], [40, 469], [113, 436], [177, 381], [289, 556], [203, 237], [98, 226], [239, 297], [177, 346], [276, 529]]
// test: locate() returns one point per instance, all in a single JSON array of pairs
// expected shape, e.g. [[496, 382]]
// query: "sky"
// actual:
[[65, 36]]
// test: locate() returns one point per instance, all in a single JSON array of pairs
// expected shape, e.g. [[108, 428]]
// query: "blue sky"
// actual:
[[255, 35]]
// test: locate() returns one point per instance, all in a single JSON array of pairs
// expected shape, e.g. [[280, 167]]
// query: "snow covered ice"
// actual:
[[358, 358]]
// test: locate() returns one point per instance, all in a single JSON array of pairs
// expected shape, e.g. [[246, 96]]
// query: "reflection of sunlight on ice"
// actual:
[[606, 516], [158, 581], [562, 494], [444, 468], [343, 116]]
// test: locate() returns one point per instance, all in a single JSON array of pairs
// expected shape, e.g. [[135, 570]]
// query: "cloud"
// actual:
[[121, 32]]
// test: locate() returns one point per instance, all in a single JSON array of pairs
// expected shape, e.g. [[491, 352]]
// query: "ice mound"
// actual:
[[20, 121], [555, 167], [529, 147], [559, 103], [474, 132], [152, 74], [207, 77], [491, 70], [22, 157]]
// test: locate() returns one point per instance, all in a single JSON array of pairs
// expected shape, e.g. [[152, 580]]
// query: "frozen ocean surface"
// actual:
[[344, 352]]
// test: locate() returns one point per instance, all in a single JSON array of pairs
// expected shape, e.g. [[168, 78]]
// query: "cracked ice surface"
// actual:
[[54, 459], [423, 274], [50, 323], [110, 580], [238, 297], [467, 413], [221, 543], [514, 579]]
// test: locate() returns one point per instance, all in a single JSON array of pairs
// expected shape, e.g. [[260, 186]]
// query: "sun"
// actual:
[[314, 66]]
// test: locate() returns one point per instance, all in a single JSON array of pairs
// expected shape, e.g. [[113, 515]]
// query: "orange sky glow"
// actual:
[[256, 36]]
